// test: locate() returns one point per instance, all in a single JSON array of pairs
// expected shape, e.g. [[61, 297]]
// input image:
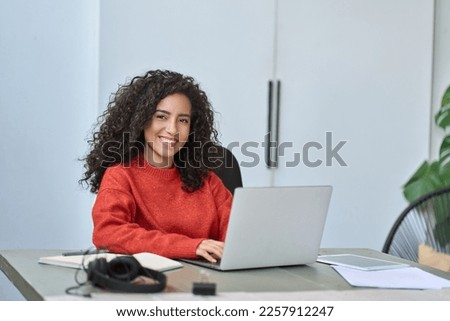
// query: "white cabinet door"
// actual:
[[226, 45], [355, 94]]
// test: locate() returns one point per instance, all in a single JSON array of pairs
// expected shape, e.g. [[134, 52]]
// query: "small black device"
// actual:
[[204, 287], [120, 271], [201, 288]]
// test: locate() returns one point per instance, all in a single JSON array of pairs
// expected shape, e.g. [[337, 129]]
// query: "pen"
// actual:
[[83, 252]]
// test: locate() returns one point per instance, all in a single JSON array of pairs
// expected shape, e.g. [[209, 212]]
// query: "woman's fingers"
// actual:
[[211, 250]]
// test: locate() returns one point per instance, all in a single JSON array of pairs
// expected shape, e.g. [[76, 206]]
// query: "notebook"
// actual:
[[147, 260], [273, 226]]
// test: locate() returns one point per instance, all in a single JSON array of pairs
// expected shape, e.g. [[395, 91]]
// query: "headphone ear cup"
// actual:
[[124, 268], [120, 271], [96, 268]]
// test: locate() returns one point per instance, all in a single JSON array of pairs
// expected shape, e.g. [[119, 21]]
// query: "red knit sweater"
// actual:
[[140, 208]]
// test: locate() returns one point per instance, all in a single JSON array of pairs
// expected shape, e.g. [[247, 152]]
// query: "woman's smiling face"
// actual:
[[168, 130]]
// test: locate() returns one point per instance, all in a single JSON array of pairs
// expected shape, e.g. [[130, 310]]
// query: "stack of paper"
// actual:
[[377, 273], [147, 260], [402, 278]]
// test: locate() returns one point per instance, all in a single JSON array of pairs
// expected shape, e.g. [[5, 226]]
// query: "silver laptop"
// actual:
[[273, 226]]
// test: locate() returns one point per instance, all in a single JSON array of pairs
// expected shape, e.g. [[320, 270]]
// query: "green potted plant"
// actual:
[[431, 176]]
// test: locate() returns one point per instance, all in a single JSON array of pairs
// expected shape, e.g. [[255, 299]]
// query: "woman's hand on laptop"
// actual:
[[211, 250]]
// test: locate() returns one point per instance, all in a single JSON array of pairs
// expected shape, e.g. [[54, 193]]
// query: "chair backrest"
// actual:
[[424, 221], [226, 166]]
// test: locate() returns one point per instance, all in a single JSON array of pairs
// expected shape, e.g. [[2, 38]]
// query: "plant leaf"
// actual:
[[442, 117], [420, 172], [434, 175], [444, 151], [444, 173], [446, 97], [426, 179], [417, 189]]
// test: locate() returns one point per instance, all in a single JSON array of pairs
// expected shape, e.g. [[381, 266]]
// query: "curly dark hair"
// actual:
[[120, 129]]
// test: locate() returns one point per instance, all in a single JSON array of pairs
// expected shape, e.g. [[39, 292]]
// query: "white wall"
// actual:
[[48, 94]]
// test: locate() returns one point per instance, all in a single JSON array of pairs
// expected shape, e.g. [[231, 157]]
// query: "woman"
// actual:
[[149, 167]]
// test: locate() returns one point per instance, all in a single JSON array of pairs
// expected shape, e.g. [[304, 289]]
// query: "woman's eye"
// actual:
[[161, 116], [184, 120]]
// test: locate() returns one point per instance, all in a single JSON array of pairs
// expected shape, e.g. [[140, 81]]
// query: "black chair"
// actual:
[[424, 221], [225, 165]]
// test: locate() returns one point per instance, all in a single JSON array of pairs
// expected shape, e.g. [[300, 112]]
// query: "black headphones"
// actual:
[[120, 271]]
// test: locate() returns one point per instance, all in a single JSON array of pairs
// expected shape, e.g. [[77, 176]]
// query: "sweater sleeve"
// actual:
[[115, 228], [223, 199]]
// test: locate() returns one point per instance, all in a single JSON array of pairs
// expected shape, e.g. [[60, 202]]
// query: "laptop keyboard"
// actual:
[[205, 263]]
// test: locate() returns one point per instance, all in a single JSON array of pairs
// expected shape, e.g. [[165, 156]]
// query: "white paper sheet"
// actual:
[[405, 278]]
